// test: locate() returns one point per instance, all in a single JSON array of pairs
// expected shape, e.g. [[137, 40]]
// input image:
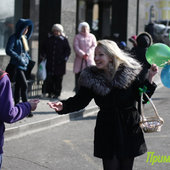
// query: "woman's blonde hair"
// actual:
[[117, 55]]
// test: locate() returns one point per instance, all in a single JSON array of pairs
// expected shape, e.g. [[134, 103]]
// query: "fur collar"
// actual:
[[94, 78]]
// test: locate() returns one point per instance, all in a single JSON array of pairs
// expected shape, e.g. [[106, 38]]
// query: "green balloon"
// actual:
[[158, 54]]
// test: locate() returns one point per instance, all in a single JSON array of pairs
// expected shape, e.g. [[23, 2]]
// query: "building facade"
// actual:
[[157, 11], [112, 19]]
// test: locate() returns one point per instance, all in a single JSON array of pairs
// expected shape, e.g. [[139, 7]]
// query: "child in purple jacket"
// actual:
[[8, 112]]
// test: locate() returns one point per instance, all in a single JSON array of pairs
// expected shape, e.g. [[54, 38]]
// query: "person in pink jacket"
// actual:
[[84, 45]]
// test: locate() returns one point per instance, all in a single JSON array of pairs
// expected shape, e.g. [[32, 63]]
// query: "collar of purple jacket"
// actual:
[[2, 73]]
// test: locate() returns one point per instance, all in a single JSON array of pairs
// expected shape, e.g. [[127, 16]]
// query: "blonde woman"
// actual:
[[114, 85]]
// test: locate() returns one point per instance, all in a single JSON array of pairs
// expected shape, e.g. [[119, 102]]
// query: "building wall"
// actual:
[[127, 18], [160, 10], [68, 20], [131, 28], [141, 16], [123, 20], [34, 43]]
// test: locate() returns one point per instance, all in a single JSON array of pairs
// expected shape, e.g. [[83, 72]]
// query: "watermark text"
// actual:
[[152, 158]]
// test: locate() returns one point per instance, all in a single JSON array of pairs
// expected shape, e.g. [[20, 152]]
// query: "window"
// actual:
[[6, 23], [95, 20], [82, 10]]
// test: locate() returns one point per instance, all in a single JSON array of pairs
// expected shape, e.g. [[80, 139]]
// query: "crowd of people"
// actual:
[[106, 71]]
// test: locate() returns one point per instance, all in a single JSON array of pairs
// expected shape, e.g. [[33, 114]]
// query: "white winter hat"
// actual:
[[58, 27], [83, 24]]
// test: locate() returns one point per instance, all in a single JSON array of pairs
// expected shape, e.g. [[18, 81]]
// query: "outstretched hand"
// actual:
[[152, 72], [57, 106], [33, 103]]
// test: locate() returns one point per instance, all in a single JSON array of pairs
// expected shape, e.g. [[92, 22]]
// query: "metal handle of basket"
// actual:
[[156, 112]]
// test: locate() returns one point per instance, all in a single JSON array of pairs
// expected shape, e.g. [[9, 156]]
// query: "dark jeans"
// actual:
[[21, 87], [118, 164]]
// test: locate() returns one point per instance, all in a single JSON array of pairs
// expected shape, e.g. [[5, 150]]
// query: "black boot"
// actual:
[[30, 115]]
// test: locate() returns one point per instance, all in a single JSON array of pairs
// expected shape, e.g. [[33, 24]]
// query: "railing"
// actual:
[[34, 88]]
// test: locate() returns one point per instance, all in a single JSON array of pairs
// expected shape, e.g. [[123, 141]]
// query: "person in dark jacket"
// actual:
[[18, 50], [114, 85], [8, 112], [132, 39], [56, 50], [143, 40]]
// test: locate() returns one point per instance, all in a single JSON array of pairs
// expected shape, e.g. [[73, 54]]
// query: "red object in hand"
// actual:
[[85, 56]]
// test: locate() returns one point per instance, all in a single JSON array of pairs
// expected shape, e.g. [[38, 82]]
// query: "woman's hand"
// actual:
[[152, 72], [85, 56], [57, 106], [33, 103]]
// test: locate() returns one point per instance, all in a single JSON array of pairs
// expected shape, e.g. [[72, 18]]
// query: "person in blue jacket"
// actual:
[[8, 112], [17, 48]]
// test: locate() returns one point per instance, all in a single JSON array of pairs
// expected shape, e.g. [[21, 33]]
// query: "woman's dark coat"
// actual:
[[117, 130], [56, 50]]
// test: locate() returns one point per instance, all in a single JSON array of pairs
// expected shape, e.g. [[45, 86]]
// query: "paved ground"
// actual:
[[45, 117], [70, 145]]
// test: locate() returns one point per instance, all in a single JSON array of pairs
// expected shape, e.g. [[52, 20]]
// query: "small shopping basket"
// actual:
[[152, 123]]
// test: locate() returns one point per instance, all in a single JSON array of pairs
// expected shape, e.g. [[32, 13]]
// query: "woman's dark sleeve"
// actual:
[[150, 90], [44, 49], [78, 102], [146, 87], [67, 50]]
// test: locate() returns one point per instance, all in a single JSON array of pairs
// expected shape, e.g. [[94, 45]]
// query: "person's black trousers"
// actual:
[[53, 85], [21, 87]]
